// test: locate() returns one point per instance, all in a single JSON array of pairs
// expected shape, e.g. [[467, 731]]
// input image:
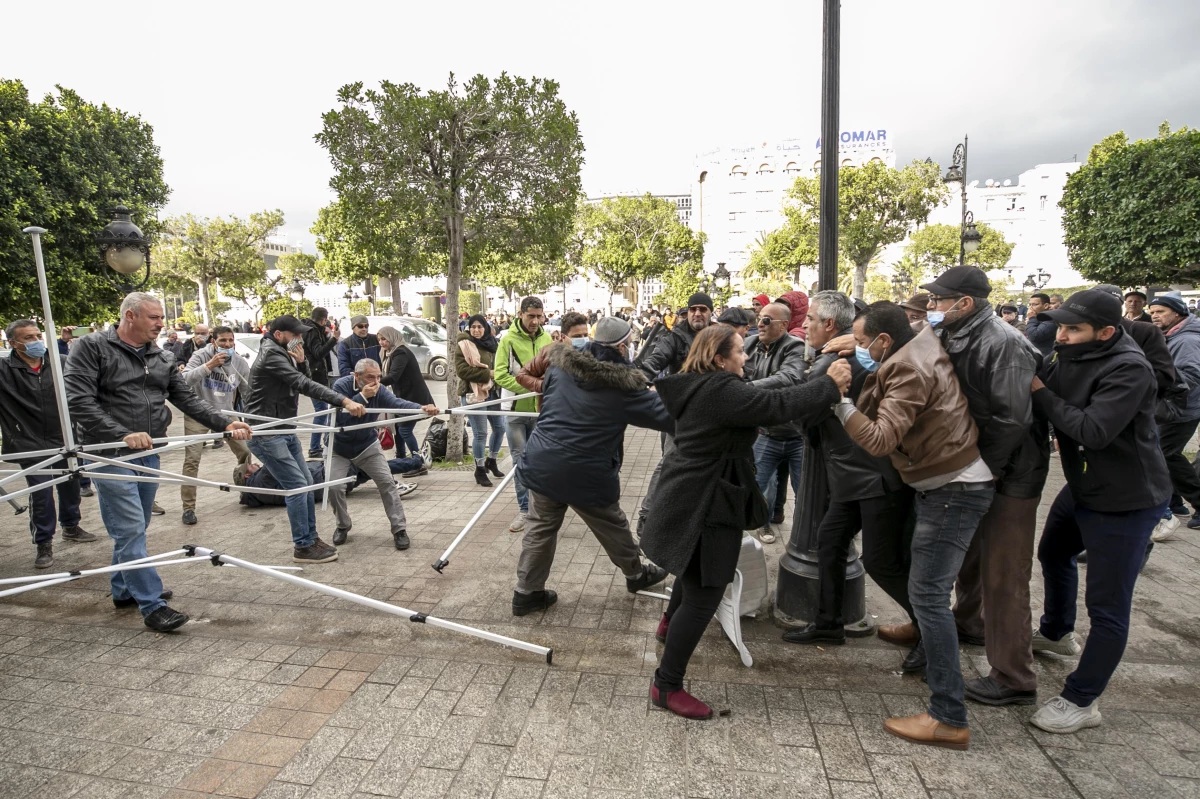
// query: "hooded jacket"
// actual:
[[1183, 342], [276, 383], [114, 389], [28, 408], [353, 349], [318, 343], [574, 454], [669, 351], [995, 365], [1147, 336], [776, 365], [707, 492], [797, 301], [1101, 404], [218, 387], [516, 349], [913, 410]]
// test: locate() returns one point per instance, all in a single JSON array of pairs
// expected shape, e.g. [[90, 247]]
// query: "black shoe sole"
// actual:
[[166, 628], [330, 559], [997, 702], [816, 641], [417, 473], [525, 610]]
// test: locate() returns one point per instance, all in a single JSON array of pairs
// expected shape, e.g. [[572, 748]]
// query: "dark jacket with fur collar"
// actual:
[[574, 454]]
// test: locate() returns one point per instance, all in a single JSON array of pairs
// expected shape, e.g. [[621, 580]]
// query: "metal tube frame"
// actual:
[[444, 560]]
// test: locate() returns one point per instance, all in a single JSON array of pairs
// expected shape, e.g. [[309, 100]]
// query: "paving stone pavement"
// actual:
[[278, 692]]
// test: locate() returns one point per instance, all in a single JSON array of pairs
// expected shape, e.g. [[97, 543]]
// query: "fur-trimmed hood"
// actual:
[[594, 373]]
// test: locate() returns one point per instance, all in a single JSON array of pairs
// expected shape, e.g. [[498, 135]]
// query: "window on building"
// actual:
[[1012, 203], [817, 165], [738, 171], [765, 169], [1042, 203], [877, 160], [847, 162], [792, 168]]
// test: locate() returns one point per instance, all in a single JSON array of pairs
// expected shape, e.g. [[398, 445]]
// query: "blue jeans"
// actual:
[[41, 505], [768, 454], [519, 430], [1115, 543], [125, 509], [405, 437], [317, 440], [283, 457], [479, 434], [946, 522], [403, 465]]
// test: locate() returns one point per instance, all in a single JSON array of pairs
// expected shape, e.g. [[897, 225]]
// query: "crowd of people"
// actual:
[[936, 419]]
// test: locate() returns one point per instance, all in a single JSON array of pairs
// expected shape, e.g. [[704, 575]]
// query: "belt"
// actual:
[[964, 487]]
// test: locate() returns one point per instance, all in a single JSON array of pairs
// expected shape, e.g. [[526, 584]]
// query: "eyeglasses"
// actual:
[[364, 327], [766, 321], [699, 309], [933, 298]]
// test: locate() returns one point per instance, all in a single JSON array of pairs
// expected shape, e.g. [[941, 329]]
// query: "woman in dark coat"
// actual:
[[708, 490], [402, 374]]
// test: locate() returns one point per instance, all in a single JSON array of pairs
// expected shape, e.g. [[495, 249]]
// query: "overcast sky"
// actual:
[[235, 90]]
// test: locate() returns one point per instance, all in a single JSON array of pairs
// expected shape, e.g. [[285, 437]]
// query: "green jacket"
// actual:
[[516, 350]]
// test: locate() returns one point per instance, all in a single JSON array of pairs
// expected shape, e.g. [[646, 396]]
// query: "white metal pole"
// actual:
[[169, 477], [119, 567], [11, 495], [30, 469], [444, 560], [51, 335], [386, 607], [40, 577], [461, 412], [498, 401]]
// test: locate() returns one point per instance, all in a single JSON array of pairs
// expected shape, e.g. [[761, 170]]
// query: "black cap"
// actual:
[[736, 317], [1095, 307], [967, 281], [700, 298], [286, 323], [1008, 309], [1135, 293]]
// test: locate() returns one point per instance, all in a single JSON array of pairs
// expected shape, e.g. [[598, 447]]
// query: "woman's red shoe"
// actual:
[[681, 703], [661, 632]]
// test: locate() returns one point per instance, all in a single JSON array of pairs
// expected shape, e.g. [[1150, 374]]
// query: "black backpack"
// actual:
[[436, 437]]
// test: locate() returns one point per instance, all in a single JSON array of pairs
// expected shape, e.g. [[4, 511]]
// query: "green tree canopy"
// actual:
[[935, 248], [1131, 214], [212, 252], [485, 166], [63, 163], [520, 275], [877, 205]]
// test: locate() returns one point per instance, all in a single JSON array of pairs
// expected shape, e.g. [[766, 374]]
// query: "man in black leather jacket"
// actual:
[[774, 360], [318, 344], [118, 383], [995, 366], [276, 381], [864, 493]]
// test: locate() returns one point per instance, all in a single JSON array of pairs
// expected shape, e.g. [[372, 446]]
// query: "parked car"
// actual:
[[426, 339]]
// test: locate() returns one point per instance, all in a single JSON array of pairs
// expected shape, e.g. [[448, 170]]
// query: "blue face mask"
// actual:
[[35, 349], [935, 318], [229, 352], [863, 356], [579, 343]]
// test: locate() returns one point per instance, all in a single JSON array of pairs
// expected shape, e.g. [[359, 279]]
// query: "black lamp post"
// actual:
[[798, 588], [124, 249], [296, 292], [969, 235], [721, 276]]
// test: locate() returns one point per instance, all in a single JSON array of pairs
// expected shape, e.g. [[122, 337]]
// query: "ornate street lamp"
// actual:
[[957, 173], [124, 248], [296, 292], [721, 276]]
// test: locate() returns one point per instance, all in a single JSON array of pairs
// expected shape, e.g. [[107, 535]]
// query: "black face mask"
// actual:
[[1073, 351]]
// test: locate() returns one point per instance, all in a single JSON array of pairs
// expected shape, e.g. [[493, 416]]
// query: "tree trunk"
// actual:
[[205, 309], [860, 279], [454, 453], [397, 306]]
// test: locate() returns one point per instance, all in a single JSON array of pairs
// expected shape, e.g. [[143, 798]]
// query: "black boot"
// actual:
[[481, 477], [914, 662], [491, 466], [524, 604]]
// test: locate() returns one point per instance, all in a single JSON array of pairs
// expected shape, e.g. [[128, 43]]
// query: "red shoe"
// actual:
[[661, 632], [681, 703]]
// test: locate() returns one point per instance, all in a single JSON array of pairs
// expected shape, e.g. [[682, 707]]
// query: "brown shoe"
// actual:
[[899, 634], [924, 729]]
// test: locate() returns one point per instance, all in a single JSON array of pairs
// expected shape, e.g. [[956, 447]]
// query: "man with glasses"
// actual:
[[356, 346], [996, 365], [520, 345], [669, 353], [775, 360]]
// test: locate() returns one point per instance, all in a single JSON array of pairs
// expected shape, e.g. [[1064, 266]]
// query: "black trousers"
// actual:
[[1173, 437], [887, 527], [691, 608], [782, 475]]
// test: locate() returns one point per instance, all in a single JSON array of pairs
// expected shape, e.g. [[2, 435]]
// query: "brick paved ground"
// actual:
[[275, 691]]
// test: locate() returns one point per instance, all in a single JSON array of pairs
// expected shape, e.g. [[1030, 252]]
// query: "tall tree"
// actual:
[[63, 163], [877, 205], [632, 238], [780, 254], [520, 275], [485, 166], [1130, 213], [294, 267], [212, 252], [935, 248]]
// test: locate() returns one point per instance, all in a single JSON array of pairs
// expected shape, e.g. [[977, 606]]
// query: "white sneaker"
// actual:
[[1165, 530], [1067, 645], [426, 455], [1063, 716], [404, 489], [518, 524], [765, 535]]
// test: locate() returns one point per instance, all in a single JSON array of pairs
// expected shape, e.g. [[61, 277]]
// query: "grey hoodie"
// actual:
[[218, 387]]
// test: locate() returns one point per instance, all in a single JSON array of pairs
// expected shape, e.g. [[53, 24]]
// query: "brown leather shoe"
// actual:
[[899, 634], [924, 729]]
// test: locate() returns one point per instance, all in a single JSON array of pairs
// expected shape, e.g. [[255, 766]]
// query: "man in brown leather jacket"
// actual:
[[913, 409]]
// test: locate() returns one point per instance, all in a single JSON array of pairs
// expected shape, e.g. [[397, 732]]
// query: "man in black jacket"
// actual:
[[774, 360], [669, 352], [995, 365], [318, 344], [276, 381], [864, 493], [1099, 394], [197, 341], [118, 383], [29, 423], [1041, 334]]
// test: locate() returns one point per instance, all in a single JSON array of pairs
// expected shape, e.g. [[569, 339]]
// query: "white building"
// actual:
[[738, 192]]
